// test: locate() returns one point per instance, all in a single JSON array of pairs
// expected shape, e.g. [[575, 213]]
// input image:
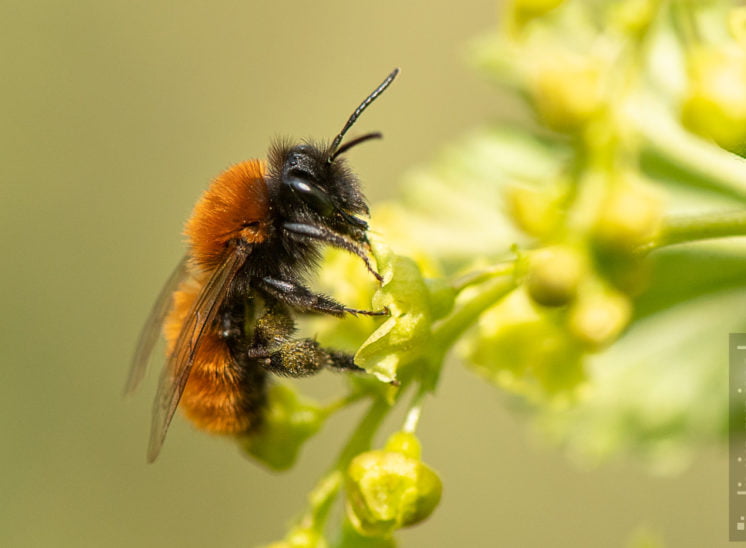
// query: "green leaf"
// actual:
[[687, 272], [661, 391]]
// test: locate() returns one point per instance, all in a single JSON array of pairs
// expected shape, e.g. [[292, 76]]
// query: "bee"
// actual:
[[227, 311]]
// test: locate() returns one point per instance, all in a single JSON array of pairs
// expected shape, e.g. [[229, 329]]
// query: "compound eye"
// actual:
[[312, 195]]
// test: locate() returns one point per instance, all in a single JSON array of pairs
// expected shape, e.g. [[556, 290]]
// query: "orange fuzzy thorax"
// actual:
[[236, 205]]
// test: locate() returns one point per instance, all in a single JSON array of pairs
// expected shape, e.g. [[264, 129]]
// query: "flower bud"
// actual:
[[737, 24], [630, 216], [300, 538], [632, 16], [554, 274], [598, 316], [715, 105], [405, 443], [288, 422], [306, 538], [350, 537], [387, 490], [534, 211], [522, 348], [535, 8], [567, 91]]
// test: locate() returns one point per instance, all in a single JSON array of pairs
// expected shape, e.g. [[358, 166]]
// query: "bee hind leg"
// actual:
[[303, 357], [276, 350]]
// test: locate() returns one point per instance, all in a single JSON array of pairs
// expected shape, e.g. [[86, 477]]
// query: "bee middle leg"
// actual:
[[303, 299]]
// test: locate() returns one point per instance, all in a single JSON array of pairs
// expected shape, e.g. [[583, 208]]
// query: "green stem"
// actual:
[[693, 228], [414, 412], [482, 275], [689, 159], [322, 498], [341, 403], [324, 494], [362, 437], [450, 329]]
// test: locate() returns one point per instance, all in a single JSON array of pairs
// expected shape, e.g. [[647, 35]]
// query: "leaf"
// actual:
[[661, 391]]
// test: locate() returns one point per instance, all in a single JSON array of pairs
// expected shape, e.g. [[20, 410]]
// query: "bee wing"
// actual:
[[152, 328], [176, 371]]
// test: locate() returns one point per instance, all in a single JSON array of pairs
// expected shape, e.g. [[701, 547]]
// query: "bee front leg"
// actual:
[[304, 300]]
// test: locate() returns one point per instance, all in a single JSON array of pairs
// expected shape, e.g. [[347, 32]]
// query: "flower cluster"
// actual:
[[544, 252]]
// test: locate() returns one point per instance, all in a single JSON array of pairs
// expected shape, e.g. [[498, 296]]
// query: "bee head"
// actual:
[[316, 188], [318, 193]]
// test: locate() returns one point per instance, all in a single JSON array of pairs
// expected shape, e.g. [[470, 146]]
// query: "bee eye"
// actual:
[[312, 195]]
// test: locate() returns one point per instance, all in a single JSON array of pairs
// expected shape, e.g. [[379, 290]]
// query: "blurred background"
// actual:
[[115, 116]]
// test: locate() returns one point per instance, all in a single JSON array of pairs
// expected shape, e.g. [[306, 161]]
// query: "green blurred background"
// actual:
[[115, 115]]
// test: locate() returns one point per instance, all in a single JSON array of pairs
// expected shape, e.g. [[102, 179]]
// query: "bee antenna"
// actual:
[[354, 142], [355, 115]]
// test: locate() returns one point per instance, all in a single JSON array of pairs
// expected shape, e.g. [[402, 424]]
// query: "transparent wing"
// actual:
[[152, 329], [176, 371]]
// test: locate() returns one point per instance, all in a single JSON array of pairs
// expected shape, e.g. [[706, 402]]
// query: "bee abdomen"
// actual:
[[219, 398], [223, 395]]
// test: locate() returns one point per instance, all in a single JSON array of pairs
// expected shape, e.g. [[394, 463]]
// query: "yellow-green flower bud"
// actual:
[[567, 90], [521, 348], [598, 316], [306, 538], [632, 16], [737, 24], [715, 106], [535, 8], [405, 443], [387, 490], [288, 422], [350, 538], [554, 274], [630, 216], [534, 211], [300, 538]]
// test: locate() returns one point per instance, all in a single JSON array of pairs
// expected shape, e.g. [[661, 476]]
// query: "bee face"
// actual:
[[315, 191]]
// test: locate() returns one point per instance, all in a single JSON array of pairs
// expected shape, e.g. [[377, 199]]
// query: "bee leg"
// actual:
[[303, 299], [342, 361], [272, 329], [275, 350], [302, 357]]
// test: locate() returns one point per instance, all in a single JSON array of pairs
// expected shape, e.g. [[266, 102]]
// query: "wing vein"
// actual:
[[152, 328], [179, 365]]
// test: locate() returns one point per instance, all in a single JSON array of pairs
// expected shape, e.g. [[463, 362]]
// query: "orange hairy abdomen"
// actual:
[[214, 398], [236, 205]]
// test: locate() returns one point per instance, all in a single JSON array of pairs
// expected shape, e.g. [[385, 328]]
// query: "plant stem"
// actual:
[[691, 160], [482, 275], [325, 491], [415, 407], [362, 437], [693, 228], [341, 403], [450, 329]]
